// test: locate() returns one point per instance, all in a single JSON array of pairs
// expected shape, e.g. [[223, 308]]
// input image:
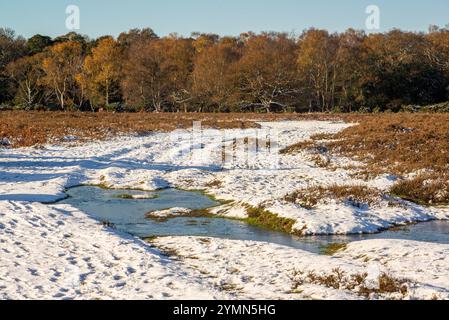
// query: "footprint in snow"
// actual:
[[131, 270], [33, 272]]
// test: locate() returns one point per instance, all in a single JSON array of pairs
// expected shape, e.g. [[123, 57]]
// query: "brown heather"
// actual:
[[359, 196], [425, 189], [396, 144], [30, 128]]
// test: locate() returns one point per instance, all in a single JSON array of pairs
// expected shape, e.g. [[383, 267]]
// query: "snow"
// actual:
[[55, 251], [169, 213], [142, 196], [239, 265]]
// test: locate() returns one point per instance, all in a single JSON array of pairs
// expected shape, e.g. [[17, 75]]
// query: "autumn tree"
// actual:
[[397, 72], [437, 53], [317, 65], [72, 37], [213, 78], [140, 76], [202, 41], [27, 74], [178, 65], [62, 63], [348, 71], [267, 72], [318, 71], [156, 73], [38, 43], [100, 74], [12, 47], [126, 39]]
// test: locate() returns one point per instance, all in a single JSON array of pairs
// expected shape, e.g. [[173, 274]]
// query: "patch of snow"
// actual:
[[143, 196], [69, 138], [262, 270], [169, 213], [57, 252]]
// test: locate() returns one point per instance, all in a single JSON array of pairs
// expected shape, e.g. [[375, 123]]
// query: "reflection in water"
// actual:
[[129, 215]]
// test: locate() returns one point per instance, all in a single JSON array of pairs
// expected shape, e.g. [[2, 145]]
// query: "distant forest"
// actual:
[[266, 72]]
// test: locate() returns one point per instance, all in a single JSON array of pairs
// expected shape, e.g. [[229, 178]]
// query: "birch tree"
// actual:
[[27, 74], [62, 63]]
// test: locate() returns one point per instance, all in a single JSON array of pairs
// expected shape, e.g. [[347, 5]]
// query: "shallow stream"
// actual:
[[129, 215]]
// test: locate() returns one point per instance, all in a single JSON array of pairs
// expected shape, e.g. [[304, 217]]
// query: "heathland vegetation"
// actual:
[[313, 71]]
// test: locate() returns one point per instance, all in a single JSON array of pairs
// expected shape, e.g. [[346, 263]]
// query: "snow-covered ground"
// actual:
[[260, 270], [55, 251]]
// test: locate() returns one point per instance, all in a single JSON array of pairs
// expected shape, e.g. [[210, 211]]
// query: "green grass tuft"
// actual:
[[124, 196], [333, 248], [265, 219]]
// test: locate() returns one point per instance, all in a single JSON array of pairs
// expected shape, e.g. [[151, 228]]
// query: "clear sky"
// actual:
[[225, 17]]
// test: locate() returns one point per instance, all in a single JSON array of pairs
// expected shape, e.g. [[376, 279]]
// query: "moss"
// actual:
[[265, 219], [170, 253], [124, 196], [150, 239], [204, 240], [333, 248], [229, 287], [102, 185]]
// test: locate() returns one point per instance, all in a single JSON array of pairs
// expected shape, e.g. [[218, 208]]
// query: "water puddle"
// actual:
[[126, 213]]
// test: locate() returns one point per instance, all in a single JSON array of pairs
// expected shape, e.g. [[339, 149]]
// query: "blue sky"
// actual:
[[225, 17]]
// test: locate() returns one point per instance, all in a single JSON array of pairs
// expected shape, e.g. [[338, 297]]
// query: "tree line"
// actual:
[[269, 71]]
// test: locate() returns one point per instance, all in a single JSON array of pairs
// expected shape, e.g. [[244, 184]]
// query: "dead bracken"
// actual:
[[426, 189], [356, 195], [398, 144], [31, 128]]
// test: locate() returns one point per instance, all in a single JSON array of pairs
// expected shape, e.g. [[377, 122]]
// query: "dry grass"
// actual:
[[229, 287], [302, 145], [29, 128], [387, 285], [214, 184], [425, 189], [395, 144], [356, 195]]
